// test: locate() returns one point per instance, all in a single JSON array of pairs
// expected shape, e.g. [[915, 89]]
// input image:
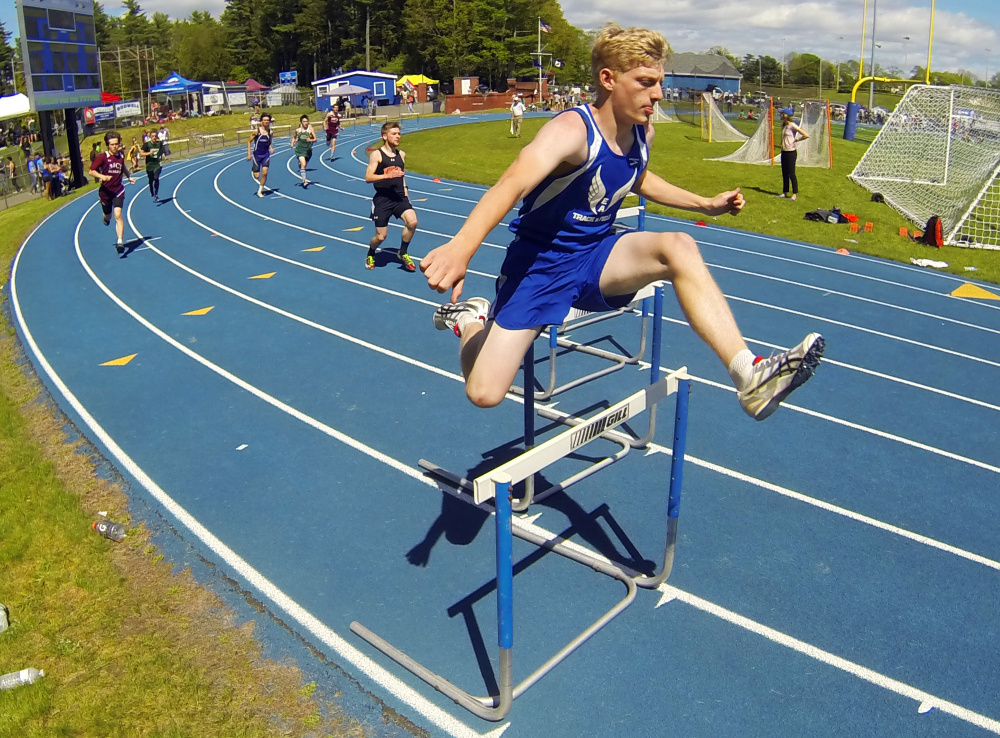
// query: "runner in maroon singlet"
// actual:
[[109, 167], [332, 126]]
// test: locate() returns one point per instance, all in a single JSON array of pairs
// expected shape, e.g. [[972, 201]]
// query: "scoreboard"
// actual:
[[59, 48]]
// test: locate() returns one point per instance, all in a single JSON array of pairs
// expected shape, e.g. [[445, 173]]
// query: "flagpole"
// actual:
[[539, 60]]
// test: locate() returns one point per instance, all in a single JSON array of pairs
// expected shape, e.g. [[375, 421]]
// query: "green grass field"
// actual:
[[128, 647], [480, 154]]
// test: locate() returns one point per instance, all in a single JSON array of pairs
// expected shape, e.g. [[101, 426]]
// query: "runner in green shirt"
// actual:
[[152, 152], [302, 141]]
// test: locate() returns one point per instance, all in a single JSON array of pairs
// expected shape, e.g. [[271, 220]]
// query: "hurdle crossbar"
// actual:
[[497, 485]]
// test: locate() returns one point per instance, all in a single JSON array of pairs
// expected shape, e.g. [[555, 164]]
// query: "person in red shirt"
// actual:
[[109, 167]]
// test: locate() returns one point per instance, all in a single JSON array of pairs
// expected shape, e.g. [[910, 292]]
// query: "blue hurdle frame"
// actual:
[[497, 485]]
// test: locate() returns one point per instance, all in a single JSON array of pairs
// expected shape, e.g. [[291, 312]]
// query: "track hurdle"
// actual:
[[496, 485]]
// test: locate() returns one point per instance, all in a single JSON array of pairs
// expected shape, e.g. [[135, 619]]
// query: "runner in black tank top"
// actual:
[[386, 170]]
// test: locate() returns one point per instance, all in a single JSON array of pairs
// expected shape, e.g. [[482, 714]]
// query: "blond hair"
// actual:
[[623, 49]]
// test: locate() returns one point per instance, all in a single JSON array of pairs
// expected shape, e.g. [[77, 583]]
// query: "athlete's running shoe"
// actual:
[[120, 247], [773, 379], [369, 262], [408, 264], [107, 218], [260, 193], [450, 315]]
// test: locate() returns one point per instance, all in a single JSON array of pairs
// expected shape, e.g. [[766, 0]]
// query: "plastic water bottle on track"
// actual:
[[20, 678], [114, 531]]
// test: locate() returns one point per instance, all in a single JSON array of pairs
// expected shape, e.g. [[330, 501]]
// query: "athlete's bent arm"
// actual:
[[655, 188], [561, 143]]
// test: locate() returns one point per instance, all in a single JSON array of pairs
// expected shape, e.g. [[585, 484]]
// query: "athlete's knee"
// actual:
[[482, 394], [679, 251]]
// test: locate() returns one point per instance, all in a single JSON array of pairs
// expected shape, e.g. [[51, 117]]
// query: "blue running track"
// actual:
[[838, 569]]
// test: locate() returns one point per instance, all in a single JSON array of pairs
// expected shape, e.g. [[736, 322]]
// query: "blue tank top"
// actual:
[[575, 210], [261, 145]]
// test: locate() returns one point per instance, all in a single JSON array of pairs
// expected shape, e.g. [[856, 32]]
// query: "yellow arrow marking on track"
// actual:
[[120, 362], [359, 228], [970, 290], [200, 311], [315, 248], [445, 189], [421, 199], [263, 276]]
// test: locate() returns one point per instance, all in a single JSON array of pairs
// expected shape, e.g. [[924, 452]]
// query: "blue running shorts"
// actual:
[[538, 286]]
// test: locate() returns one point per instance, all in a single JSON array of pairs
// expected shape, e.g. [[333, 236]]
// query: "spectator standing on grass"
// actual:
[[94, 151], [516, 116], [791, 134], [12, 173], [164, 136]]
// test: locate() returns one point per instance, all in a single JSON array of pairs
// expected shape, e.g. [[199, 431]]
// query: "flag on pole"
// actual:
[[557, 64], [544, 27]]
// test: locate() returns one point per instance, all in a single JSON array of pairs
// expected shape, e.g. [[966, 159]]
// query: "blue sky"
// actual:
[[964, 29]]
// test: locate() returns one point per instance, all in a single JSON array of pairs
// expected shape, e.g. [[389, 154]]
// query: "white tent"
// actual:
[[12, 106]]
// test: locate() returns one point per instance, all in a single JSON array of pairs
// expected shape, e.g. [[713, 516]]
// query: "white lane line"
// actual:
[[875, 261], [654, 448], [862, 370], [861, 329], [326, 635], [331, 639], [880, 303], [845, 272], [924, 700]]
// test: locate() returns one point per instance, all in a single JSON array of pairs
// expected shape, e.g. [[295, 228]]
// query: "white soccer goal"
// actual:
[[939, 154], [714, 126], [662, 116], [759, 148]]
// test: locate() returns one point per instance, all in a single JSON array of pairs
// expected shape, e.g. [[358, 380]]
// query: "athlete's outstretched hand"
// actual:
[[445, 269], [731, 202]]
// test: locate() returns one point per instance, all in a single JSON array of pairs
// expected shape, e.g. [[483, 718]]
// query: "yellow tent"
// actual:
[[415, 79]]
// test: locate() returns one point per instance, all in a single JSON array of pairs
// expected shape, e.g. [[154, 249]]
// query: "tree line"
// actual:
[[443, 39]]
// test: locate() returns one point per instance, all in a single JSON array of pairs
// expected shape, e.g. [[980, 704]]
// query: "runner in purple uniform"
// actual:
[[109, 167]]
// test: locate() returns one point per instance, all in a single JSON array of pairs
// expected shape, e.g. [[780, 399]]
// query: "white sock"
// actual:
[[741, 367], [303, 173], [464, 319]]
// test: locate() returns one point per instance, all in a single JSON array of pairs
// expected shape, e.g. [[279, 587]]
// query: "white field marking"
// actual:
[[880, 303], [669, 593], [859, 275], [287, 260], [872, 331], [824, 249], [367, 218], [241, 446], [863, 370], [311, 232], [856, 426], [298, 318], [332, 639], [376, 673], [324, 634], [924, 700], [657, 448]]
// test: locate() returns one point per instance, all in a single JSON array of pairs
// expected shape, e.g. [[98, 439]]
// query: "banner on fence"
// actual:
[[104, 112], [128, 109], [237, 98], [274, 98], [214, 98]]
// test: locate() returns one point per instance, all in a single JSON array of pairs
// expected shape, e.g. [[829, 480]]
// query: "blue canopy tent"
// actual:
[[175, 84]]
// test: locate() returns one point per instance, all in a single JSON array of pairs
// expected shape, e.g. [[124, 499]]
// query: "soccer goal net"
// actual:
[[714, 126], [759, 148], [939, 154], [663, 116]]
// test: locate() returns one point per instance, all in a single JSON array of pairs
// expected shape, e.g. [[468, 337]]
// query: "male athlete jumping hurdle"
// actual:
[[572, 178]]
